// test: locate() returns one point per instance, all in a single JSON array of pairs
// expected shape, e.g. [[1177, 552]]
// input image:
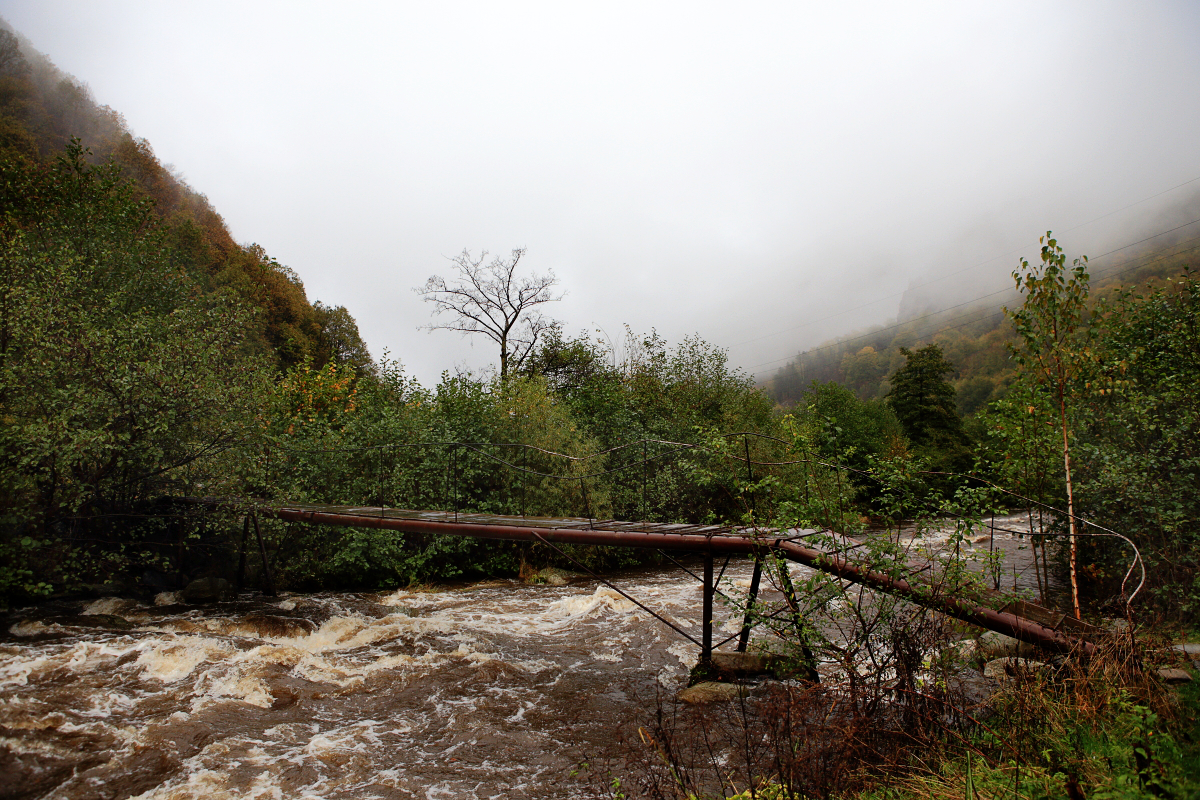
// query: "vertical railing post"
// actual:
[[744, 638], [645, 468], [587, 507], [706, 638], [749, 474], [454, 477]]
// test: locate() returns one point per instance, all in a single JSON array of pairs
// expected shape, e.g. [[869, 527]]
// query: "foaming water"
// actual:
[[496, 690]]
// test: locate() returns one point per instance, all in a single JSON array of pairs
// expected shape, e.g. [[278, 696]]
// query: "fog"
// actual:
[[766, 175]]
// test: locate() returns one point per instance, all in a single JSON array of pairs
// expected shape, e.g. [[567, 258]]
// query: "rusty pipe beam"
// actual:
[[1025, 630], [521, 533], [1004, 622]]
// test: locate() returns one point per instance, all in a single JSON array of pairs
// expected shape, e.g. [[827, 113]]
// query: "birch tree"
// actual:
[[1051, 327]]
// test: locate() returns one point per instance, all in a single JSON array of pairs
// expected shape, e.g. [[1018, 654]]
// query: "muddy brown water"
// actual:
[[494, 690]]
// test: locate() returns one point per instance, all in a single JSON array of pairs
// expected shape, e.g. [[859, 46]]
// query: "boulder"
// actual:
[[996, 645], [207, 590], [552, 576], [271, 626], [111, 606], [1173, 676], [741, 664], [1002, 669], [963, 651], [711, 692], [109, 621]]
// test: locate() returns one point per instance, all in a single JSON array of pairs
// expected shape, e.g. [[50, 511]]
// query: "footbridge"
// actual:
[[912, 578], [380, 471]]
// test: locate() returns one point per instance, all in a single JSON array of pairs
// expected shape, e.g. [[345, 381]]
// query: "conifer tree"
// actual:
[[923, 399]]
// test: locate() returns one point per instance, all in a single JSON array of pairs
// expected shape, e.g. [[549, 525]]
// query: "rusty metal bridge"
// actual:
[[915, 580], [898, 571]]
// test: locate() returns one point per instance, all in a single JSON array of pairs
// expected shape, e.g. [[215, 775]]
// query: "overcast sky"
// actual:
[[766, 175]]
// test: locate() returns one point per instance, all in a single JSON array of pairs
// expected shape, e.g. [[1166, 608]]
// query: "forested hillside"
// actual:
[[975, 337], [42, 110]]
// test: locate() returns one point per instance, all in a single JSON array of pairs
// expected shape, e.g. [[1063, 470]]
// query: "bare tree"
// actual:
[[493, 301]]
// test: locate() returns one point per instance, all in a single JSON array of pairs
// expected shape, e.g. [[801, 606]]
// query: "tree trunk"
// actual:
[[503, 359], [1062, 410]]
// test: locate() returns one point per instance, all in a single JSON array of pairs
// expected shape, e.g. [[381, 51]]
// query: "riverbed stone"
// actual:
[[113, 606], [963, 651], [996, 645], [1173, 676], [1002, 669], [734, 663], [553, 576], [109, 621], [711, 692], [207, 590], [272, 626]]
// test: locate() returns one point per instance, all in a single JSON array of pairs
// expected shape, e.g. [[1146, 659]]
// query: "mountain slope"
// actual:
[[42, 109]]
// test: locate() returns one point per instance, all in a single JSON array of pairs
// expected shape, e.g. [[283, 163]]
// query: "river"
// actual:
[[495, 689]]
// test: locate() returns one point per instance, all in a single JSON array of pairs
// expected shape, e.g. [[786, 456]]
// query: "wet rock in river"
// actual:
[[741, 664], [108, 621], [271, 626], [711, 692], [974, 689], [111, 606], [207, 590], [960, 652], [168, 599], [552, 576]]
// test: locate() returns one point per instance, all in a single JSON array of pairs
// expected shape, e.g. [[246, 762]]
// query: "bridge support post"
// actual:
[[744, 638], [268, 581], [706, 639]]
